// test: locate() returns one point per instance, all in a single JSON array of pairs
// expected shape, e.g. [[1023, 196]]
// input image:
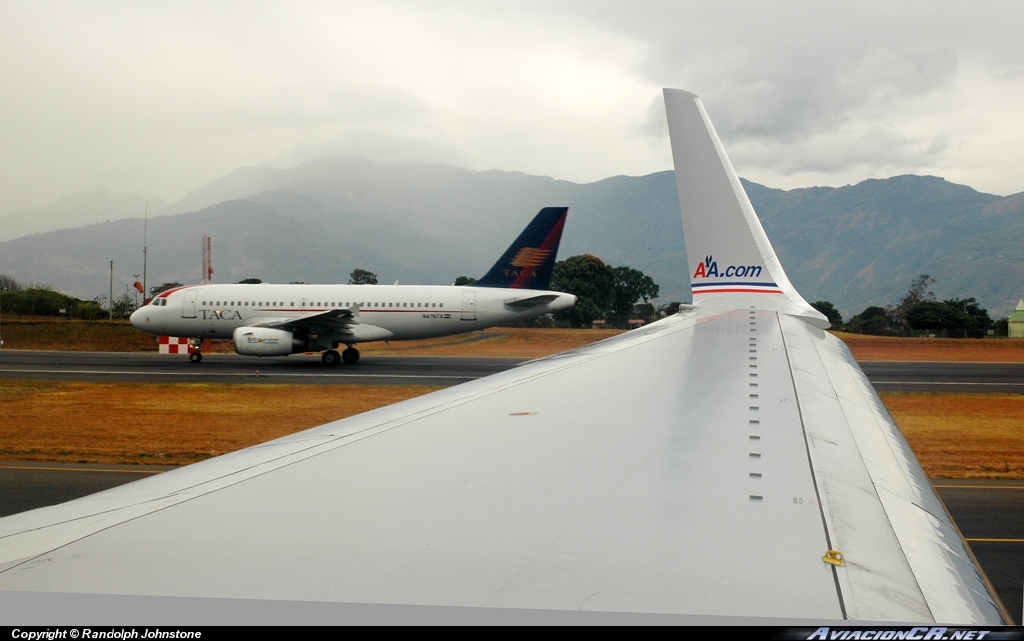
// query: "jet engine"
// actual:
[[263, 341]]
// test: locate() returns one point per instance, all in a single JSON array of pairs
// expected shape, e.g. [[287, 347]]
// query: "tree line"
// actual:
[[41, 299], [919, 312]]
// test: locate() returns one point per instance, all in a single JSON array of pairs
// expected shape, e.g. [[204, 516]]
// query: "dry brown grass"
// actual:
[[75, 335], [962, 435], [170, 424], [890, 348], [953, 435]]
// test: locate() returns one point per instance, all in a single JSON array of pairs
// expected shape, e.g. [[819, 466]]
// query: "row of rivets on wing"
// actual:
[[754, 425]]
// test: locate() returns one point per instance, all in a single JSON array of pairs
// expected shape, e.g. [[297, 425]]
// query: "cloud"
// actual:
[[844, 87], [382, 147], [158, 98]]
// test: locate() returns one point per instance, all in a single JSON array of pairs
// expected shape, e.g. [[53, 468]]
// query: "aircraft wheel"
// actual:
[[195, 357], [331, 357], [350, 355]]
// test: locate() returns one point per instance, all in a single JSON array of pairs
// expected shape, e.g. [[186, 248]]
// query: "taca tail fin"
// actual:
[[732, 263], [528, 262]]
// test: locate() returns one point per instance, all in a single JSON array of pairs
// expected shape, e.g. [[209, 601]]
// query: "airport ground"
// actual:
[[958, 402]]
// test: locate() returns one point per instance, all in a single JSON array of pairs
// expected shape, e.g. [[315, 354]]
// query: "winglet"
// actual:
[[732, 263], [528, 262]]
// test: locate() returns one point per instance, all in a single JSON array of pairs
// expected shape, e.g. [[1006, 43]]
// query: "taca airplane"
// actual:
[[277, 320], [730, 460]]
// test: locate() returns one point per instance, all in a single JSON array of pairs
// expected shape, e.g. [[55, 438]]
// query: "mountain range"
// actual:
[[856, 246]]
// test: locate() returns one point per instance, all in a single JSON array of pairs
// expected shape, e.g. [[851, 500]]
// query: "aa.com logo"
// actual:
[[709, 269]]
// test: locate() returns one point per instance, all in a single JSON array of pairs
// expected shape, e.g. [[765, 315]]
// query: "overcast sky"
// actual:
[[157, 98]]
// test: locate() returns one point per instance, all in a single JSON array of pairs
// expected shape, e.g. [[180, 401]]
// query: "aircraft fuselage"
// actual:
[[382, 312]]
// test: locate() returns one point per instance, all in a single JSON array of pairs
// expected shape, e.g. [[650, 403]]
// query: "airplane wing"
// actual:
[[332, 319], [730, 460]]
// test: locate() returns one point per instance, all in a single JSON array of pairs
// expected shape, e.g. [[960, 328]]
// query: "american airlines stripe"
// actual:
[[730, 287]]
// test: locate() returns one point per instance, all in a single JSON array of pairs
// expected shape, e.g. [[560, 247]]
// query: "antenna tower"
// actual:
[[207, 260]]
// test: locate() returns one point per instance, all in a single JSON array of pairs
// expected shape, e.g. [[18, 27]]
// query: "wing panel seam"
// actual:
[[810, 464]]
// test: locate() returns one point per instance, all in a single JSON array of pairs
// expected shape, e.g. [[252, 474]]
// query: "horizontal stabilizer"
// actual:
[[532, 301]]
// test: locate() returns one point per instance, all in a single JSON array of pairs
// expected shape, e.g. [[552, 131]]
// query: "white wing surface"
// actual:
[[705, 464]]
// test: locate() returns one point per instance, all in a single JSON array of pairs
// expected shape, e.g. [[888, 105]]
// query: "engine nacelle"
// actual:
[[263, 341]]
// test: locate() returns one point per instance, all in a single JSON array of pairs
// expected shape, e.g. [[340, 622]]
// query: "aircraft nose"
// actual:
[[138, 318]]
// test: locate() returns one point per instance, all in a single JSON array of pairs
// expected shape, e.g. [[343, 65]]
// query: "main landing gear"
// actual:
[[332, 357]]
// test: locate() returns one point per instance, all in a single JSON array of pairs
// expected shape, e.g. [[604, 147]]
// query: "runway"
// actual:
[[230, 368], [990, 514], [972, 378]]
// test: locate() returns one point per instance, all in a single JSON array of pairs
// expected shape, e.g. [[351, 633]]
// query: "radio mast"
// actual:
[[145, 257], [207, 276]]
